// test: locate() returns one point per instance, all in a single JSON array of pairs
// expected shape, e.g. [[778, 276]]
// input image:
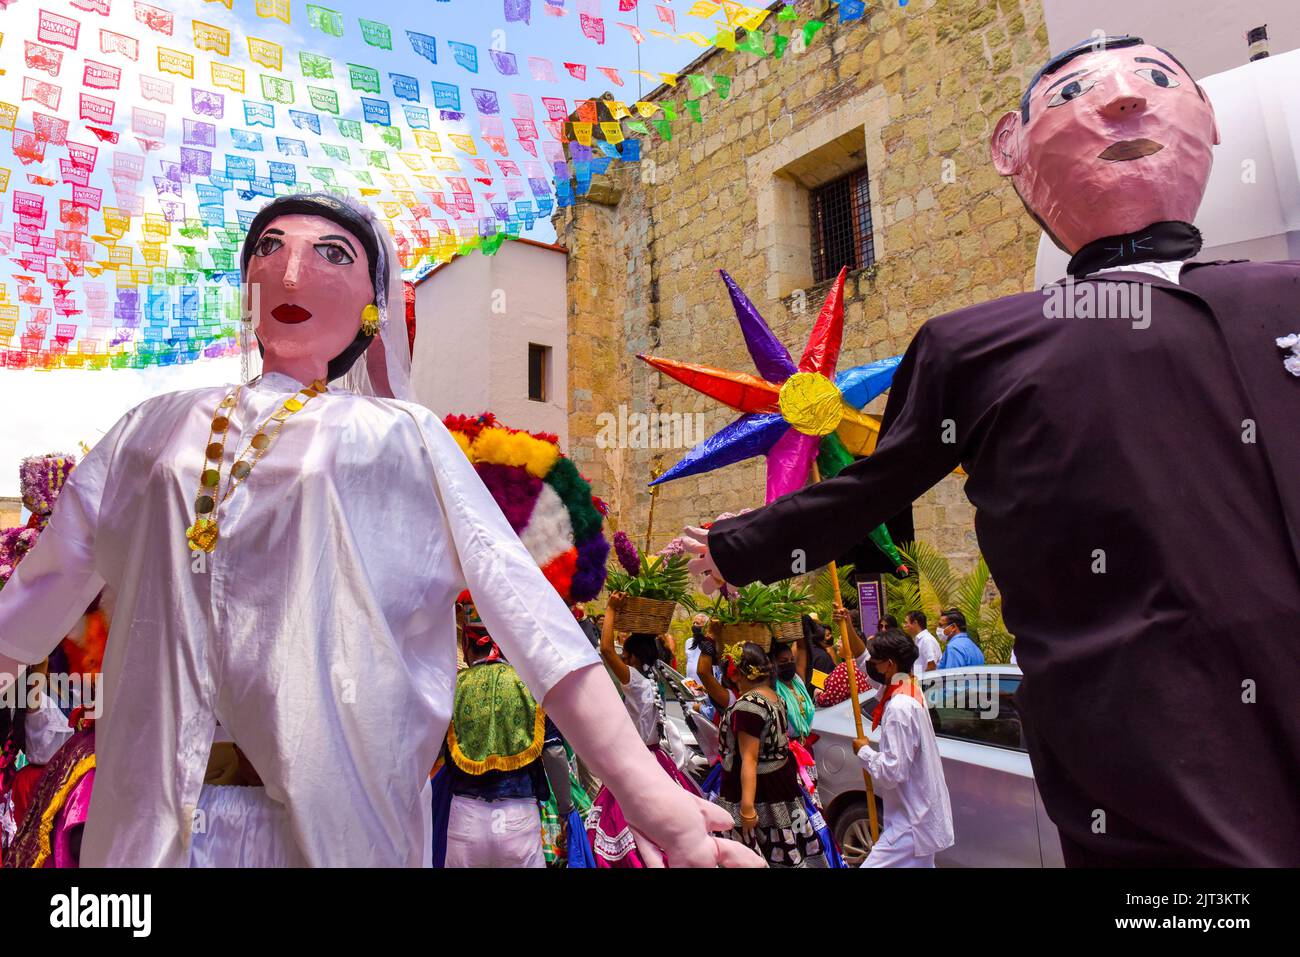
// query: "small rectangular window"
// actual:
[[841, 223], [539, 361]]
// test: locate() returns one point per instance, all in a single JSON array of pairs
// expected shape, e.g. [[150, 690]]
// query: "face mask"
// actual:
[[785, 671], [875, 675], [697, 631]]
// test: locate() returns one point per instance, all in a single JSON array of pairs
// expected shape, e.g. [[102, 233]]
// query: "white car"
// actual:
[[998, 815]]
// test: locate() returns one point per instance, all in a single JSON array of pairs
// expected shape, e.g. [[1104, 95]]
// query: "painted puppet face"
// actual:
[[311, 280], [1117, 139]]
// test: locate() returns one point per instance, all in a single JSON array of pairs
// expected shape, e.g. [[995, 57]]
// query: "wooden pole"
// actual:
[[846, 653], [650, 521]]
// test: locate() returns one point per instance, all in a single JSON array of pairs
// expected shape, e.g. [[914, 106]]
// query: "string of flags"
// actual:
[[143, 141]]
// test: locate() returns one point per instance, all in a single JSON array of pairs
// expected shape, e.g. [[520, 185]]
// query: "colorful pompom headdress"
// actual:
[[547, 503]]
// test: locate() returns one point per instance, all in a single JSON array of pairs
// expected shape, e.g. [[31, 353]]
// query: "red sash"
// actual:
[[907, 685]]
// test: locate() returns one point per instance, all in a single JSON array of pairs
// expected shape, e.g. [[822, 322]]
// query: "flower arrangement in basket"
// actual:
[[759, 613], [654, 587]]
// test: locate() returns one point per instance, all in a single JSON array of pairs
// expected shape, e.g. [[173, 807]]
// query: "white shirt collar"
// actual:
[[1161, 270], [276, 382]]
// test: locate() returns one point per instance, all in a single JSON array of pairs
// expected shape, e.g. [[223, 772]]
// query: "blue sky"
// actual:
[[56, 410]]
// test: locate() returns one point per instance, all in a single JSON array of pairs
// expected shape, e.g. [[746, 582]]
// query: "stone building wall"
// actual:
[[911, 92], [11, 511]]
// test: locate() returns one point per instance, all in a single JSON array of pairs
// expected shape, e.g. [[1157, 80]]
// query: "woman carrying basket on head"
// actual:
[[610, 835]]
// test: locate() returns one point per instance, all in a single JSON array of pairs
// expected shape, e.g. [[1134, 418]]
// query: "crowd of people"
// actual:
[[753, 756]]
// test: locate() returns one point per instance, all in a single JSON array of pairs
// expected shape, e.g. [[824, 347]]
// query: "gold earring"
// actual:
[[370, 319]]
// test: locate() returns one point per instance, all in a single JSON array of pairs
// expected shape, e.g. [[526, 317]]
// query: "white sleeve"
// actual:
[[45, 731], [639, 698], [523, 612], [57, 580], [891, 764], [932, 652]]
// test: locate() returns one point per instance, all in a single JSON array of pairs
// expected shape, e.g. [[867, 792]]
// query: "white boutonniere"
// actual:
[[1291, 343]]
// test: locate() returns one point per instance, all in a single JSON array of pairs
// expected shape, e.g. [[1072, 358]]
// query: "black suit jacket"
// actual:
[[1137, 495]]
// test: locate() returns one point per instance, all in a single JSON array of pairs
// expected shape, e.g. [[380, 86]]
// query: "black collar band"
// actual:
[[1171, 241]]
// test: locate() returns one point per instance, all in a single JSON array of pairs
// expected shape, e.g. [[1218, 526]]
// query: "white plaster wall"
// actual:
[[451, 326], [1208, 36], [474, 320]]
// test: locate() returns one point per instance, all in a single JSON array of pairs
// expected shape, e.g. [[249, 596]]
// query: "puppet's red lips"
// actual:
[[288, 312], [1129, 150]]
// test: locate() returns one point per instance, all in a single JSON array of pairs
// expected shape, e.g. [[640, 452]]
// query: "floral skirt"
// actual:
[[608, 832], [786, 835]]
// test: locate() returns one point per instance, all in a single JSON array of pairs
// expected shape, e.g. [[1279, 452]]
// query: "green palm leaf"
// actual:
[[823, 592], [969, 596], [935, 579]]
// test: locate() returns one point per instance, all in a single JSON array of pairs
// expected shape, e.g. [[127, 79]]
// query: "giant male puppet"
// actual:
[[1136, 478], [286, 555]]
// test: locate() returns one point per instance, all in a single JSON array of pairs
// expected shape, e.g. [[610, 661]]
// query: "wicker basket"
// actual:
[[726, 635], [788, 631], [646, 615]]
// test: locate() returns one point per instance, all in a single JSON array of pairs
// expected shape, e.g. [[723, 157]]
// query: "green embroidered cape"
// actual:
[[495, 723]]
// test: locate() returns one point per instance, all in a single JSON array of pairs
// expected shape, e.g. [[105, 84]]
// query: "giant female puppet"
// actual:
[[287, 555], [1136, 476]]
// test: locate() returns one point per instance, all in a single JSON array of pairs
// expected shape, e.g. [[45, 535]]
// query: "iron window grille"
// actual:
[[841, 224]]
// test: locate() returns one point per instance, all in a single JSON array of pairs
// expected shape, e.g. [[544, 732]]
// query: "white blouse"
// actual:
[[320, 632], [639, 699]]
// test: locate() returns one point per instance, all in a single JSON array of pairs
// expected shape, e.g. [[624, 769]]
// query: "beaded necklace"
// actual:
[[203, 534]]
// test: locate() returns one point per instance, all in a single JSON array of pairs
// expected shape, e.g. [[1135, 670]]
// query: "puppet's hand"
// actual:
[[667, 819], [676, 831], [696, 543]]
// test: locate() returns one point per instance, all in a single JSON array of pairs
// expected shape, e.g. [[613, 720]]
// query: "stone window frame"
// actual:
[[841, 140]]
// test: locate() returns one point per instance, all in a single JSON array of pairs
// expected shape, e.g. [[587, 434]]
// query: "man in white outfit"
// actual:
[[928, 651], [905, 765]]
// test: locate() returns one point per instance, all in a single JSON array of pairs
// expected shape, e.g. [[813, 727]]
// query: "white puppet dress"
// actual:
[[319, 631]]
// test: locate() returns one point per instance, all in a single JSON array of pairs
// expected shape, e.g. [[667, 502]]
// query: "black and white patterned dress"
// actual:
[[785, 835]]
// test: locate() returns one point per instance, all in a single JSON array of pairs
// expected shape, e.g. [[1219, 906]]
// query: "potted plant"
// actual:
[[654, 587], [757, 613], [793, 602]]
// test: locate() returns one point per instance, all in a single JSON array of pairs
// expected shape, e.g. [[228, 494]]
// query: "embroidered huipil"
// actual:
[[320, 631]]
